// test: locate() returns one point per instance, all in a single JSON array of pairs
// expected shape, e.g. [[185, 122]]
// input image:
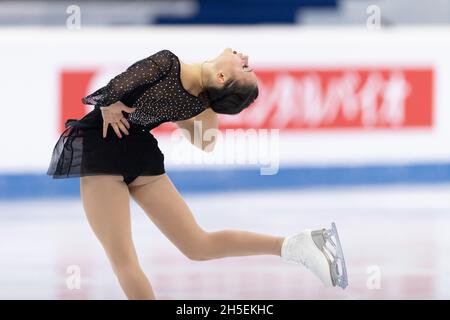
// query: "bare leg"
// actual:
[[164, 205], [107, 207]]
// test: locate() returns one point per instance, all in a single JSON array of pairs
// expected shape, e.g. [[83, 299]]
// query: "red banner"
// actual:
[[311, 99]]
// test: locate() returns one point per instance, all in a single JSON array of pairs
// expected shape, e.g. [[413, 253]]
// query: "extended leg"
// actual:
[[106, 204], [167, 209]]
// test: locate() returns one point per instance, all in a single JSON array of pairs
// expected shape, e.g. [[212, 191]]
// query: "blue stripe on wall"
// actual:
[[19, 186]]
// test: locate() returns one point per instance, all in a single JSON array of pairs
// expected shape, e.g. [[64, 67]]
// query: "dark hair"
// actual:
[[231, 98]]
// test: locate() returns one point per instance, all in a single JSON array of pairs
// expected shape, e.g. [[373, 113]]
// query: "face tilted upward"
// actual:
[[233, 64]]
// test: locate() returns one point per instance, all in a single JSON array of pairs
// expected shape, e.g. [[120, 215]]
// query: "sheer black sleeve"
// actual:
[[142, 72]]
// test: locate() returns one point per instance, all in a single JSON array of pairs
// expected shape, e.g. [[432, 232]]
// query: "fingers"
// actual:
[[105, 128], [125, 122], [118, 125], [128, 109], [116, 129], [122, 127]]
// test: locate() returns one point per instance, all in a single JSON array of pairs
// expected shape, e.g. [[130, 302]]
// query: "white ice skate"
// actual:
[[318, 252]]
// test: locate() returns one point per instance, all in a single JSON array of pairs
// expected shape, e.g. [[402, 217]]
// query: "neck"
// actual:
[[194, 78]]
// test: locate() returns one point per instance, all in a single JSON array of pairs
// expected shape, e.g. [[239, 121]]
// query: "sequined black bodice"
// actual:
[[152, 86]]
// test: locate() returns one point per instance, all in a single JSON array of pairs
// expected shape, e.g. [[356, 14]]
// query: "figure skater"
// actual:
[[115, 155]]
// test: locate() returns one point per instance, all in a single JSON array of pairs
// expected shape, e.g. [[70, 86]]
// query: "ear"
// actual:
[[220, 77]]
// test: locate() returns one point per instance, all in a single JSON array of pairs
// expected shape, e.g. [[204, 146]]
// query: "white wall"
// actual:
[[32, 60]]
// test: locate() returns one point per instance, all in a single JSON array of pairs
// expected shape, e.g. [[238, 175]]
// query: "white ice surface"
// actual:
[[401, 234]]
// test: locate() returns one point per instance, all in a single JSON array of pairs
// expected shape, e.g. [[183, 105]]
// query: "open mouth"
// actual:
[[241, 55]]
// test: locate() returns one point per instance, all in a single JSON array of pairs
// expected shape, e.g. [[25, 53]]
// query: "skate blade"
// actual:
[[338, 266]]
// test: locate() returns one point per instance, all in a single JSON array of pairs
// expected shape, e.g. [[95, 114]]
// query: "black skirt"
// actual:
[[81, 150]]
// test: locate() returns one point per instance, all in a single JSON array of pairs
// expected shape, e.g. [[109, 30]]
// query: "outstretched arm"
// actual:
[[197, 126]]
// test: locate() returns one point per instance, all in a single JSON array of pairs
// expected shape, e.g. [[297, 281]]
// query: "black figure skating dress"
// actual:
[[152, 86]]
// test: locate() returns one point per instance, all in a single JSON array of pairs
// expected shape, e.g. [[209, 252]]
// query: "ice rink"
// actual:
[[319, 112], [396, 242]]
